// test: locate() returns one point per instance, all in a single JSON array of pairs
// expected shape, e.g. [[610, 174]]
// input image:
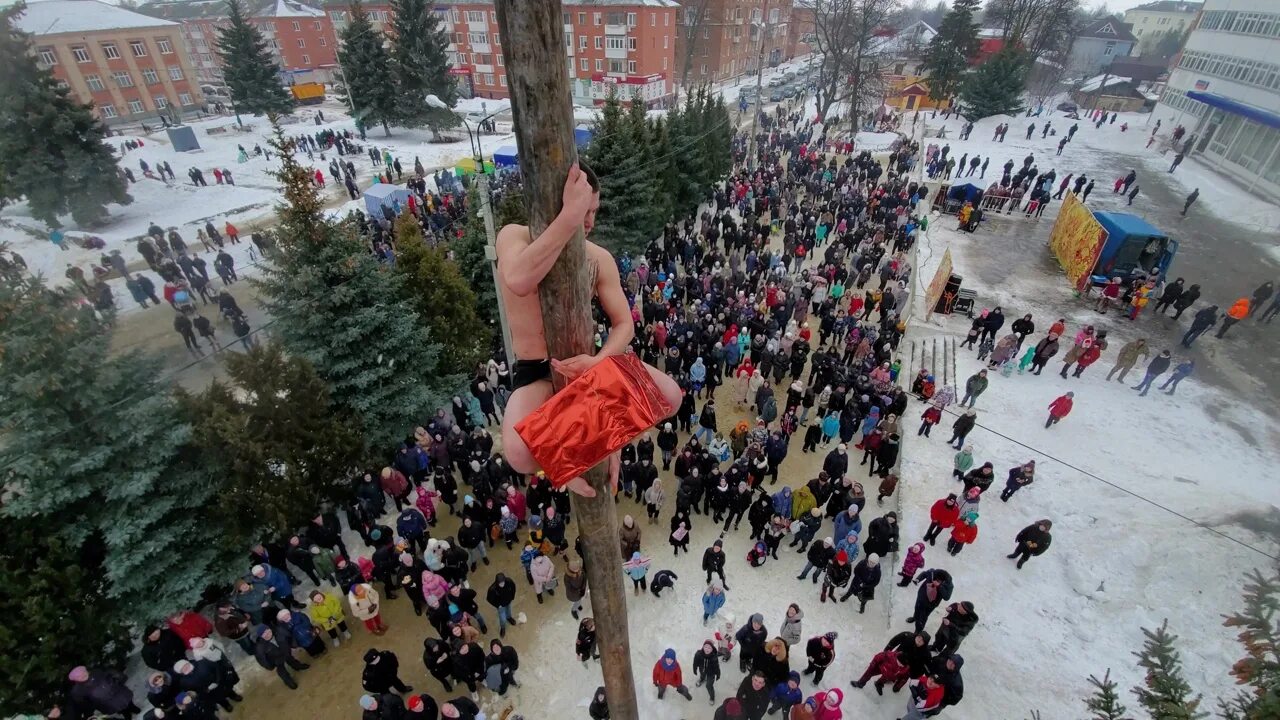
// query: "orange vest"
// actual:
[[1240, 309]]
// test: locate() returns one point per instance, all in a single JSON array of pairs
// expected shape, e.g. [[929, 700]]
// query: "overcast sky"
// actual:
[[1117, 5]]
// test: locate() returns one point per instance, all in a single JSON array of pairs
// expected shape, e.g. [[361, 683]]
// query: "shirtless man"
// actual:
[[522, 263]]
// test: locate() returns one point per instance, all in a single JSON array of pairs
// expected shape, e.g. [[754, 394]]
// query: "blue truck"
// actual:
[[1133, 244]]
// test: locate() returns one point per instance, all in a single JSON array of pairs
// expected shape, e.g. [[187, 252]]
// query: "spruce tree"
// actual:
[[288, 453], [665, 172], [620, 156], [51, 149], [511, 209], [341, 310], [420, 66], [1165, 693], [995, 88], [97, 449], [58, 615], [444, 301], [645, 185], [1260, 667], [947, 57], [366, 70], [468, 255], [248, 66], [1104, 704]]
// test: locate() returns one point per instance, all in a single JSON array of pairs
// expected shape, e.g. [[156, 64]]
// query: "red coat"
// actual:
[[944, 516], [889, 665], [964, 534], [1061, 407], [190, 625], [1089, 356], [395, 483], [932, 698], [932, 415], [663, 676]]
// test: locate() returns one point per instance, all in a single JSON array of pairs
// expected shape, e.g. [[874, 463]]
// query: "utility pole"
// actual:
[[533, 43], [491, 254], [759, 104]]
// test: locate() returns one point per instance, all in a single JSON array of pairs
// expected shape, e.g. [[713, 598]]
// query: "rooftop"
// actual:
[[195, 9], [55, 17], [1170, 6], [1109, 28]]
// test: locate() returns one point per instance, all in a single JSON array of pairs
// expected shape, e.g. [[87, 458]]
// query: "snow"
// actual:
[[52, 17], [1119, 561], [284, 8], [1099, 81]]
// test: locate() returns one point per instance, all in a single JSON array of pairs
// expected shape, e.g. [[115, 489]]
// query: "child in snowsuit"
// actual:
[[911, 564]]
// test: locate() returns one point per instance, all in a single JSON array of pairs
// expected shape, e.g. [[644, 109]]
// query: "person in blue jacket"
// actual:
[[273, 582], [712, 599], [411, 525], [782, 502], [849, 545], [1183, 369], [830, 427]]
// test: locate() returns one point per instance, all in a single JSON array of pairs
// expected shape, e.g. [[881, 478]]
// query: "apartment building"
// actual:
[[1153, 22], [301, 37], [802, 30], [724, 40], [625, 44], [130, 67], [1225, 89]]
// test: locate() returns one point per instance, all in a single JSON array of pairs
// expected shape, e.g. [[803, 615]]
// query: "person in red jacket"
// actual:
[[1059, 409], [189, 625], [942, 515], [963, 532], [666, 673], [926, 696], [889, 666], [1087, 357]]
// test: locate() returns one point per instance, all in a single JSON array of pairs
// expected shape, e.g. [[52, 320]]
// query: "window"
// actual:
[[599, 42], [164, 46], [631, 43], [582, 42], [306, 59], [475, 16], [111, 51], [599, 65], [80, 53], [653, 19], [478, 38], [122, 79], [160, 102], [704, 68], [457, 38], [503, 80], [501, 62], [48, 56], [316, 25], [175, 73], [586, 65], [94, 82], [150, 77], [665, 40], [582, 18], [302, 43], [666, 19], [597, 19], [135, 107], [138, 48], [455, 16], [496, 39], [493, 18], [324, 43], [1109, 49], [615, 18], [63, 85], [664, 63], [706, 33], [107, 111], [297, 26], [185, 99], [631, 19], [631, 67], [617, 66]]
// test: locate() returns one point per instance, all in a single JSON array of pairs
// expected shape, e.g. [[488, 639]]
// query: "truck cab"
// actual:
[[1133, 245]]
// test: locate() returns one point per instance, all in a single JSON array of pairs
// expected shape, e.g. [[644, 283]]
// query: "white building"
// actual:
[[1151, 22], [1225, 90]]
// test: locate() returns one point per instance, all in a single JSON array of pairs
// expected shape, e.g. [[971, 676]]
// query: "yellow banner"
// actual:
[[938, 284], [1077, 240]]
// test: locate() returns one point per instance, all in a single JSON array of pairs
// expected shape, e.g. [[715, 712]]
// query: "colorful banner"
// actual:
[[1077, 240], [937, 284]]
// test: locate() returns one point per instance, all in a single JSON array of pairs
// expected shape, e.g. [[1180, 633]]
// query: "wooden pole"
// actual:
[[533, 46]]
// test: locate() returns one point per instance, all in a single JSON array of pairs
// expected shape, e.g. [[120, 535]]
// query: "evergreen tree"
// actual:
[[248, 66], [468, 255], [644, 183], [51, 150], [58, 616], [666, 172], [1104, 704], [278, 449], [338, 308], [995, 88], [688, 149], [444, 301], [719, 142], [420, 66], [1260, 636], [97, 449], [947, 57], [1165, 693], [621, 158], [511, 209], [366, 69]]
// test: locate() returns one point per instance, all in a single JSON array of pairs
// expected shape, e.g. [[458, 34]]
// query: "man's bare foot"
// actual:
[[580, 486]]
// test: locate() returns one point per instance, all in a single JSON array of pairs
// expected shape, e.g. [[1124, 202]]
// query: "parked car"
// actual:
[[777, 95], [776, 81], [790, 91], [1067, 107]]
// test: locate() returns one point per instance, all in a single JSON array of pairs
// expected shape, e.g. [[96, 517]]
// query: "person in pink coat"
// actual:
[[425, 501], [829, 704], [517, 504], [881, 374], [434, 588], [911, 564]]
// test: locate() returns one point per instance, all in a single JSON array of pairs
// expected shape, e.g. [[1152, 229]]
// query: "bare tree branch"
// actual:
[[853, 56]]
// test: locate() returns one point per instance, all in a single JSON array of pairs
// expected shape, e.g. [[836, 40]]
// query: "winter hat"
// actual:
[[505, 511], [1071, 394], [828, 540], [263, 631], [182, 667], [375, 534], [794, 676], [718, 543], [669, 655], [79, 673], [842, 557], [284, 616], [415, 704], [370, 655], [184, 698], [974, 493], [968, 449], [831, 636], [368, 702], [873, 559], [259, 571], [917, 548]]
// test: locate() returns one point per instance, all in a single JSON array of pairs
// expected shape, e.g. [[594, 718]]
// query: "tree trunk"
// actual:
[[533, 37]]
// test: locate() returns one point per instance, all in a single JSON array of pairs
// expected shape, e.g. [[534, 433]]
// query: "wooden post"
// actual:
[[533, 46]]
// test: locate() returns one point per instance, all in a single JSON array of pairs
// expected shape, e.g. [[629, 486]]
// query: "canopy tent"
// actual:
[[582, 135], [506, 157], [380, 194], [964, 192], [467, 166], [1118, 224]]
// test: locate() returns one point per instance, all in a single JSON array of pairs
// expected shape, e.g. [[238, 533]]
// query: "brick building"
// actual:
[[301, 37], [802, 31], [129, 67], [725, 41], [625, 43]]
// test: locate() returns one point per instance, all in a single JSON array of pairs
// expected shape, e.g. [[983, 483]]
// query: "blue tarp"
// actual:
[[964, 192], [1124, 225], [506, 156], [1235, 107], [380, 194], [582, 136]]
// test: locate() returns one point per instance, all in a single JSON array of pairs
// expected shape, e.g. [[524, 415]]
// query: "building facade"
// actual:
[[724, 41], [130, 67], [1098, 44], [802, 30], [300, 37], [1225, 90], [1153, 22]]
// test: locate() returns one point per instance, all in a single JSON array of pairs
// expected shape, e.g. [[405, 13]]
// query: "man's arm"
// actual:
[[622, 328], [523, 264]]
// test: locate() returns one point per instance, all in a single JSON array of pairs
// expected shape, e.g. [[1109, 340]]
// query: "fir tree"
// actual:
[[511, 209], [620, 156], [248, 66], [1165, 693], [1260, 636], [97, 449], [947, 57], [58, 612], [666, 172], [995, 88], [1104, 704], [337, 307], [51, 150], [644, 182], [366, 69], [278, 449], [468, 254], [420, 66], [444, 301]]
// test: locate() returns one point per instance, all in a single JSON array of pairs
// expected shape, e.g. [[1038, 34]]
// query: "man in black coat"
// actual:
[[821, 652], [837, 462], [460, 708], [468, 666], [935, 588], [161, 648], [750, 639], [1032, 540], [383, 706], [713, 562], [956, 625], [866, 576], [819, 557], [947, 669], [500, 595], [273, 654], [882, 535], [1022, 327], [913, 650], [753, 694], [382, 673]]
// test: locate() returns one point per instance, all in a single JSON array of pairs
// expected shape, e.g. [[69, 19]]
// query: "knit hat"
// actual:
[[79, 673], [184, 698], [369, 702], [259, 571], [873, 559], [415, 704], [718, 543], [182, 667]]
